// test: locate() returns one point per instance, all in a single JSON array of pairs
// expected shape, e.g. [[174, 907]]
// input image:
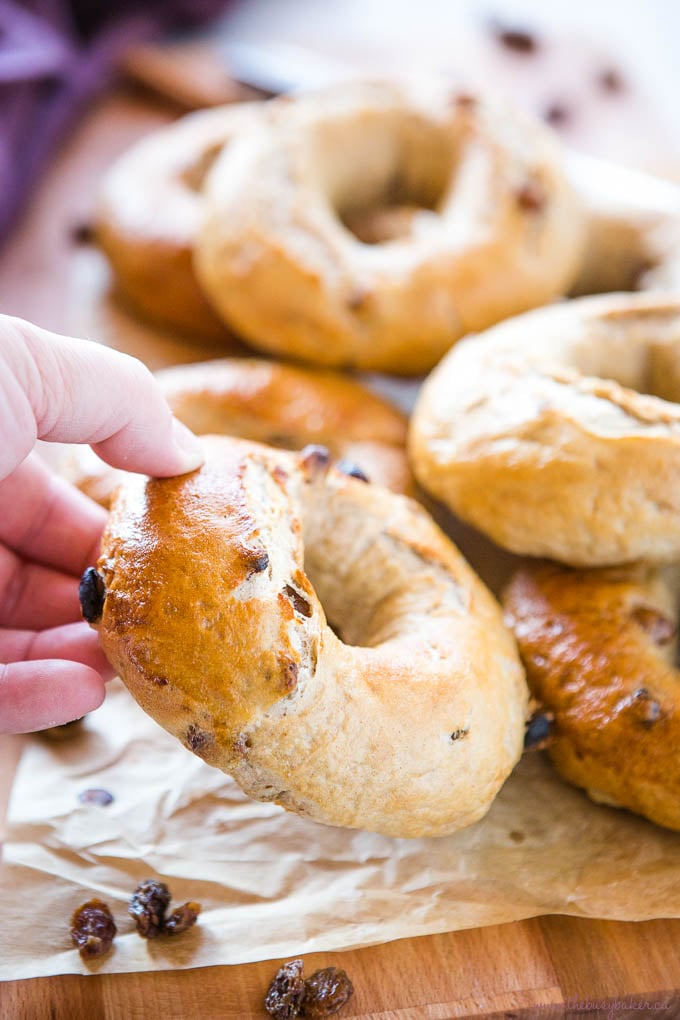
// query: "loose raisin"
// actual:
[[92, 928], [326, 992], [83, 233], [611, 80], [148, 905], [557, 114], [182, 918], [515, 38], [286, 992], [96, 796]]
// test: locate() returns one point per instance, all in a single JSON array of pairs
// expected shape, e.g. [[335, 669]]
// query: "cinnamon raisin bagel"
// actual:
[[314, 636], [148, 214], [541, 432], [633, 228], [276, 404], [597, 646], [498, 230]]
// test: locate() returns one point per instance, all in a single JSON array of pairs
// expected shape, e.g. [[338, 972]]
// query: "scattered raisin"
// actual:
[[660, 629], [300, 604], [182, 918], [346, 467], [148, 905], [96, 796], [83, 233], [538, 731], [465, 100], [326, 992], [519, 40], [557, 114], [459, 734], [286, 992], [92, 928], [611, 80], [92, 592]]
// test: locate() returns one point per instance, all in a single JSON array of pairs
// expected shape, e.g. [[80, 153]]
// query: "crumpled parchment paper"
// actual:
[[273, 884]]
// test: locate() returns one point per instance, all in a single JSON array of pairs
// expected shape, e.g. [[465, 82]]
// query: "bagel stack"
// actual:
[[335, 654], [543, 433]]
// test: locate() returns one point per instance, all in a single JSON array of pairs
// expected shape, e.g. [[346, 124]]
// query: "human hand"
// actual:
[[63, 390]]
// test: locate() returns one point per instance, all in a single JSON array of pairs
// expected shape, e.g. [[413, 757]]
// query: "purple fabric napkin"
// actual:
[[54, 56]]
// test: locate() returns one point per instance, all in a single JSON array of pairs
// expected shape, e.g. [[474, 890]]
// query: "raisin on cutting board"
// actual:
[[286, 992], [326, 992]]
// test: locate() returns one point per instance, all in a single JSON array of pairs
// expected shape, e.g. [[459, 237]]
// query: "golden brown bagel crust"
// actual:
[[524, 433], [633, 228], [499, 229], [277, 404], [596, 646], [148, 214], [217, 589]]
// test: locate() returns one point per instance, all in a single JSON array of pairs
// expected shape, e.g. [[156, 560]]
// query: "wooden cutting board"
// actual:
[[544, 967]]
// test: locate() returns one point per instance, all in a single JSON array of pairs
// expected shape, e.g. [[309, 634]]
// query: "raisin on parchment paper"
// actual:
[[92, 928]]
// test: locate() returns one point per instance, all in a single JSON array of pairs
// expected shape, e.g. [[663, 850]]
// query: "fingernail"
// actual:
[[188, 446]]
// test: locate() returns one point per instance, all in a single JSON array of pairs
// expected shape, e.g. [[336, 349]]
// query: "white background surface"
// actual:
[[579, 39]]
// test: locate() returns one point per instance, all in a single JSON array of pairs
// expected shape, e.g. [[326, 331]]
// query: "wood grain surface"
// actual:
[[545, 967]]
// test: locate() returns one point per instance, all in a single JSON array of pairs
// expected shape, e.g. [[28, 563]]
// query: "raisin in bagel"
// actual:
[[534, 432], [597, 647], [633, 228], [148, 214], [215, 590], [499, 229], [276, 404]]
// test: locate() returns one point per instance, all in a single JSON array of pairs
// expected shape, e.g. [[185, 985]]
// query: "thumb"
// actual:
[[77, 391]]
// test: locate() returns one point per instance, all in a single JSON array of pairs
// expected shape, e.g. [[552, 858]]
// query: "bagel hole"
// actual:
[[374, 587], [194, 175], [640, 352], [384, 175]]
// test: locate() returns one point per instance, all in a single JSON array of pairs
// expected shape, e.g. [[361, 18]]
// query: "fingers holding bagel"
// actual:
[[282, 405], [340, 658]]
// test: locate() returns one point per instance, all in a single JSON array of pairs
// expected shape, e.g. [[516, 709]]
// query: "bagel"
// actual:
[[534, 432], [276, 404], [498, 229], [633, 228], [212, 600], [148, 213], [597, 647]]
